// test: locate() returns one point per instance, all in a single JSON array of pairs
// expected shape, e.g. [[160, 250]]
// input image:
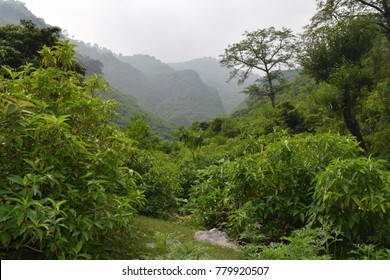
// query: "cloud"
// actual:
[[171, 30]]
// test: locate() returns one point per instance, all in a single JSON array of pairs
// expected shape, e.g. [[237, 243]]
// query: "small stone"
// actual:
[[215, 237], [151, 245]]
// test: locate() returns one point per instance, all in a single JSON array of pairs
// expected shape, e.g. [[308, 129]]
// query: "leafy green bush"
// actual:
[[369, 252], [303, 244], [207, 197], [66, 188], [268, 193], [354, 196], [161, 187]]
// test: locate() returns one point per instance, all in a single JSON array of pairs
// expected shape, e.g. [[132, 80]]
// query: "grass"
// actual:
[[160, 239]]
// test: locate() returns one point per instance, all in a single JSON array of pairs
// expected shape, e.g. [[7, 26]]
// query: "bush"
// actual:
[[354, 196], [303, 244], [369, 252], [161, 187], [268, 193], [66, 188]]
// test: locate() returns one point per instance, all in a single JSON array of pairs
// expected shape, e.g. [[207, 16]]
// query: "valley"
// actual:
[[109, 156]]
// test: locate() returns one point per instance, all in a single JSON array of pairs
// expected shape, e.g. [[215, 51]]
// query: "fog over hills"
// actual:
[[11, 12], [216, 76], [180, 97], [180, 93]]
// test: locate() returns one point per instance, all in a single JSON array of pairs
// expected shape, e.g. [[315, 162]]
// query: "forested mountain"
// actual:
[[11, 12], [177, 95], [301, 173], [211, 72], [123, 92], [180, 97]]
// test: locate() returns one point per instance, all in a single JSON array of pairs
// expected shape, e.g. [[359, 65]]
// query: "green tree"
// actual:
[[266, 50], [359, 189], [192, 140], [335, 55], [21, 43], [138, 129], [336, 10]]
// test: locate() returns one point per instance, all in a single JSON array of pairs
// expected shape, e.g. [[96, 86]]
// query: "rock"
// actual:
[[215, 237], [151, 245]]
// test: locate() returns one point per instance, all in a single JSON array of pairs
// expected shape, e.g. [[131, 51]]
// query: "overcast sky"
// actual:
[[170, 30]]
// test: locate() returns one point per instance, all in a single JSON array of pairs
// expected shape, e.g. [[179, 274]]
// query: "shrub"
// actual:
[[66, 188], [354, 196], [268, 193], [161, 187], [303, 244]]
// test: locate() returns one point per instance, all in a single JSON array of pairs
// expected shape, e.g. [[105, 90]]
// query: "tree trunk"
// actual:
[[271, 93], [350, 120], [353, 127], [388, 35], [272, 97]]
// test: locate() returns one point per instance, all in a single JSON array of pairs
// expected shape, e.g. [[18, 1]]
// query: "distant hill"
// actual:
[[180, 97], [11, 12], [216, 76], [128, 105]]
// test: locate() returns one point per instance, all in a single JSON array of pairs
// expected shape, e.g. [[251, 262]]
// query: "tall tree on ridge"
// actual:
[[266, 50]]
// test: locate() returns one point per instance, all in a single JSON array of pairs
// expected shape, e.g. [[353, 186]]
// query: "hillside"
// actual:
[[11, 12], [216, 76], [180, 97], [301, 173], [128, 105]]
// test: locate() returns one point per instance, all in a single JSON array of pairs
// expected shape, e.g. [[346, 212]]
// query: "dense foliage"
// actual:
[[20, 44], [302, 175], [66, 184]]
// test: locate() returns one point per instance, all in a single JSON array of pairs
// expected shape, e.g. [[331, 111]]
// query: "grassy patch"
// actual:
[[159, 239]]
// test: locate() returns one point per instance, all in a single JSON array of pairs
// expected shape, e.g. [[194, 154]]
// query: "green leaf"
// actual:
[[11, 108], [357, 201], [16, 179], [79, 246], [5, 238], [3, 213], [287, 146], [35, 189], [97, 224], [40, 234]]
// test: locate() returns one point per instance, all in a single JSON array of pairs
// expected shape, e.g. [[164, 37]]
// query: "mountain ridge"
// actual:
[[216, 76], [179, 96], [158, 87]]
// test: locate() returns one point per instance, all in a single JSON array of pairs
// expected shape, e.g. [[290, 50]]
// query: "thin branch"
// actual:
[[372, 6]]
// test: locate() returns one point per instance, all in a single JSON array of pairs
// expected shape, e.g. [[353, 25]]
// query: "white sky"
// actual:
[[170, 30]]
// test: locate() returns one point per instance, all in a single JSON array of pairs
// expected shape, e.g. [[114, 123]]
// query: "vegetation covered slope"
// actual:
[[178, 96], [13, 11], [214, 75], [286, 178], [127, 104]]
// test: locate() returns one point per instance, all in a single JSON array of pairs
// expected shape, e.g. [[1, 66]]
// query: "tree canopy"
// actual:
[[20, 44], [266, 50], [333, 11]]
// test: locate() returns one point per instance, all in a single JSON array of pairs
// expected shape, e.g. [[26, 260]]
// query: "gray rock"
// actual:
[[215, 237], [151, 245]]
